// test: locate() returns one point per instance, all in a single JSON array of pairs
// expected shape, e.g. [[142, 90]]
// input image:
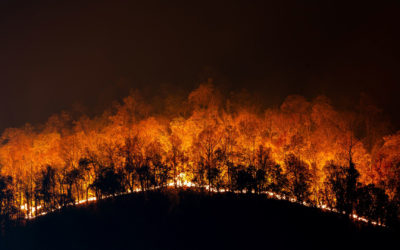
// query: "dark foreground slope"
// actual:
[[191, 220]]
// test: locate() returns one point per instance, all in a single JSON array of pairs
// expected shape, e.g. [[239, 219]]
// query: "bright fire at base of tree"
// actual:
[[304, 151], [31, 214]]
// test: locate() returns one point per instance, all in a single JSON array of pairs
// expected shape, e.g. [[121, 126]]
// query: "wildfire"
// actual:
[[299, 152]]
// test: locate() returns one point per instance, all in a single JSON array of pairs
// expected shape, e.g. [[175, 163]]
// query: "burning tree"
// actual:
[[308, 150]]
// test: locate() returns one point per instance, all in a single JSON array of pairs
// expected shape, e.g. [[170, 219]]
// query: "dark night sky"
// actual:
[[54, 54]]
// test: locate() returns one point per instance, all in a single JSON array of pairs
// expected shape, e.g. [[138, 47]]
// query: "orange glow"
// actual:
[[210, 131]]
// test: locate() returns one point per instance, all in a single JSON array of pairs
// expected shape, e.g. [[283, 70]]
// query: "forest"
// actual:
[[307, 151]]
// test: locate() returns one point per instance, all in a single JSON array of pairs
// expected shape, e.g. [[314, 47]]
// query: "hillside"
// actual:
[[187, 219]]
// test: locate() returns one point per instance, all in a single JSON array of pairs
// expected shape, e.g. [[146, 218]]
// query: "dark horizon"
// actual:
[[56, 55]]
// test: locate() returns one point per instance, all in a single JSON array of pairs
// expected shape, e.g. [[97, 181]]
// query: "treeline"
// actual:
[[54, 189], [307, 151]]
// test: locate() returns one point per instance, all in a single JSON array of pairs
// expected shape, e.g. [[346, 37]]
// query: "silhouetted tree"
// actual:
[[264, 163], [213, 174], [199, 174], [70, 179], [146, 177], [260, 180], [46, 188], [7, 207], [351, 183], [277, 180], [231, 173], [85, 167], [299, 177], [243, 179], [251, 180], [162, 174], [74, 177], [131, 151], [108, 182], [372, 202], [343, 184]]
